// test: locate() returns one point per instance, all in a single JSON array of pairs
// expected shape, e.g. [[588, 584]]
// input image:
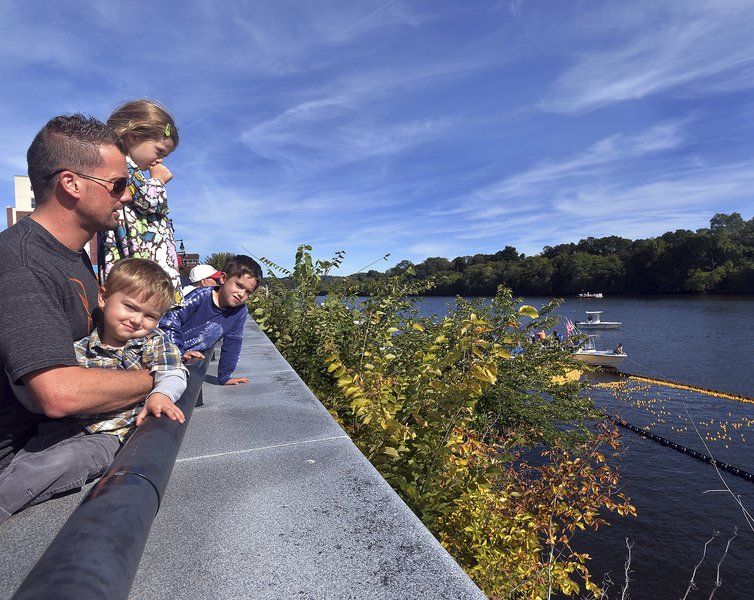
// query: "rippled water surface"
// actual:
[[702, 341]]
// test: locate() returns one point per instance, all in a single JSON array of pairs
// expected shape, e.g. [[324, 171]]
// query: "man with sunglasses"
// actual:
[[48, 290]]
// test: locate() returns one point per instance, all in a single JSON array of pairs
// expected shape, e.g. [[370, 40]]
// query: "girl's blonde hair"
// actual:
[[144, 118]]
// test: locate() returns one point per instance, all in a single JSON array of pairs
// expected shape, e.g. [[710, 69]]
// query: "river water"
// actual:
[[704, 341]]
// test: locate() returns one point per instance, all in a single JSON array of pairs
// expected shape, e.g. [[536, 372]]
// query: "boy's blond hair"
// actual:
[[144, 118], [141, 277]]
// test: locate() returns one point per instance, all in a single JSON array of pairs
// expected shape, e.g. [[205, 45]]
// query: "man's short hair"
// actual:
[[240, 264], [142, 278], [70, 142]]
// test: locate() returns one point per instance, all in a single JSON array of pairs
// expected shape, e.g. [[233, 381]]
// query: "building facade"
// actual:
[[23, 200]]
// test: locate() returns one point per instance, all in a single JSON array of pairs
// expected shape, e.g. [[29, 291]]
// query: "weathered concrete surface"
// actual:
[[269, 499]]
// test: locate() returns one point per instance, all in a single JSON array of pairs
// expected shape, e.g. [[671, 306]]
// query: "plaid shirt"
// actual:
[[154, 352]]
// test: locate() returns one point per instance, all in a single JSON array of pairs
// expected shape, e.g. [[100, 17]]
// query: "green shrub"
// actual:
[[445, 408]]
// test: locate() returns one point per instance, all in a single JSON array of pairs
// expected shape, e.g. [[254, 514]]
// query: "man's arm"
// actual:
[[61, 391], [36, 348]]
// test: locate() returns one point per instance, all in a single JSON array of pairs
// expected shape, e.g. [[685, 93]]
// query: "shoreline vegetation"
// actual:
[[498, 451], [718, 259]]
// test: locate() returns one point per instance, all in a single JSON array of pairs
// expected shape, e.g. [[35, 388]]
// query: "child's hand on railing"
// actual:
[[236, 380], [187, 356], [157, 405]]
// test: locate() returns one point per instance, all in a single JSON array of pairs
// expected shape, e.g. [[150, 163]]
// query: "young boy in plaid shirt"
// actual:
[[136, 294]]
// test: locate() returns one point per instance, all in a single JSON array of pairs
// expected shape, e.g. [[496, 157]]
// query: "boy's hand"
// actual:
[[160, 171], [158, 405], [236, 380], [187, 356]]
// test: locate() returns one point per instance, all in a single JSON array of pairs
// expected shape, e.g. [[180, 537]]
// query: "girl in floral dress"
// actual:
[[144, 230]]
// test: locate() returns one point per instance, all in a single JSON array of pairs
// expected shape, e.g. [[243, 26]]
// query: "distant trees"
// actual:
[[218, 259], [717, 259]]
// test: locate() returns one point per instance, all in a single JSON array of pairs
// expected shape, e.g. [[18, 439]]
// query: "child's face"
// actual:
[[236, 290], [146, 153], [127, 316]]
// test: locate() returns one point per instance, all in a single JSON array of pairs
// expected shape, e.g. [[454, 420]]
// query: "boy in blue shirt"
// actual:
[[211, 313]]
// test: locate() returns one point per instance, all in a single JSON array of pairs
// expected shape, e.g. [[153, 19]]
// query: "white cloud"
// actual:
[[696, 190], [665, 46], [549, 177], [607, 189], [332, 131]]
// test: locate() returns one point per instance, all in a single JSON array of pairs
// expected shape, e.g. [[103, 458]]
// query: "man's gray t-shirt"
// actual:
[[48, 294]]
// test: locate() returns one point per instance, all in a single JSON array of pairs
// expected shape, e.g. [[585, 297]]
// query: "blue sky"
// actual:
[[415, 127]]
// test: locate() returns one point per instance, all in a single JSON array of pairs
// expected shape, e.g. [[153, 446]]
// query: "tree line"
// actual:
[[714, 259]]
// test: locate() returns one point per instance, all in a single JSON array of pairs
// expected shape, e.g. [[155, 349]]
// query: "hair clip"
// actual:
[[166, 131]]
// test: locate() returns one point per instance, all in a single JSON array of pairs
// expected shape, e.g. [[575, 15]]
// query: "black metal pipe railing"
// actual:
[[683, 449], [96, 553]]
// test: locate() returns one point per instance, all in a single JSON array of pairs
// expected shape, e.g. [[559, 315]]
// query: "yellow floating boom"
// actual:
[[681, 386]]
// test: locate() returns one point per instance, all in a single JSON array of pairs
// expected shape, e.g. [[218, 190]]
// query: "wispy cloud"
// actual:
[[328, 133], [694, 190], [607, 189], [502, 198], [672, 45]]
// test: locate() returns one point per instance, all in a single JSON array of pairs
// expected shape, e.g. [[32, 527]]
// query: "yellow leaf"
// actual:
[[528, 311], [483, 374], [417, 327]]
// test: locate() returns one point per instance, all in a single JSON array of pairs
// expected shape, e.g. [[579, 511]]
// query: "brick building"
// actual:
[[189, 261]]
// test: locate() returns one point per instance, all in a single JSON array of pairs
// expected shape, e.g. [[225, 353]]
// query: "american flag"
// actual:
[[570, 327]]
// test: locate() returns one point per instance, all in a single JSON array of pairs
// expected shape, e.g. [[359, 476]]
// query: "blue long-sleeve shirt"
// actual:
[[198, 323]]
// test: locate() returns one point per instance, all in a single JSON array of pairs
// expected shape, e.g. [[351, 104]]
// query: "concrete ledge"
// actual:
[[269, 499]]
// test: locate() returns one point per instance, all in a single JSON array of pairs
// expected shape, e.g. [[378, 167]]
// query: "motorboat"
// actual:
[[589, 355], [590, 295], [593, 321]]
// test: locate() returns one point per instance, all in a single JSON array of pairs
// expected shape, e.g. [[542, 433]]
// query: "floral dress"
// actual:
[[144, 229]]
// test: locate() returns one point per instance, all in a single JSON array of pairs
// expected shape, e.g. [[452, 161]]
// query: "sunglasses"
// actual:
[[119, 184]]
